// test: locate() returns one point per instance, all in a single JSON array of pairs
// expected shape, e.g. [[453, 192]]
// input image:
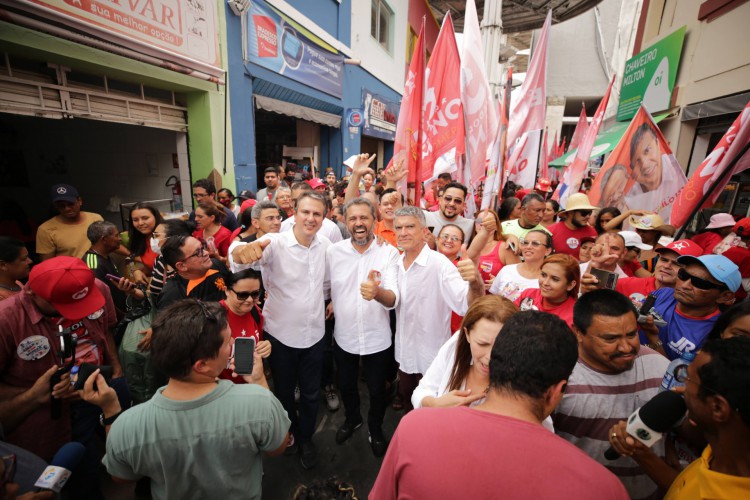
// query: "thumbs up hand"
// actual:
[[252, 252], [466, 267], [369, 289]]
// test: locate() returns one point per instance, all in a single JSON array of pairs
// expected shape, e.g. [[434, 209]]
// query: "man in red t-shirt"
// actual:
[[567, 234], [665, 272], [456, 452]]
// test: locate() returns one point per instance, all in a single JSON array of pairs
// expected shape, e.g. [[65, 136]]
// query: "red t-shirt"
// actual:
[[707, 241], [568, 241], [490, 264], [531, 300], [630, 268], [242, 326], [636, 289], [222, 239]]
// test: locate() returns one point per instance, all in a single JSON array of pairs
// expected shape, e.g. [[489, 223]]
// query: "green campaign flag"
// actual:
[[604, 143], [649, 77]]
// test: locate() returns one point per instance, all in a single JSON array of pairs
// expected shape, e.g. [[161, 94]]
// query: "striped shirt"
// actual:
[[595, 401]]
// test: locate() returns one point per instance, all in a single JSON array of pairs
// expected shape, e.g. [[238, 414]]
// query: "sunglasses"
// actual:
[[634, 249], [699, 283], [451, 199], [584, 213], [243, 296], [535, 244]]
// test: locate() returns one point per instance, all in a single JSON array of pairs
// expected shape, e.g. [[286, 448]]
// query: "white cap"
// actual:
[[633, 239]]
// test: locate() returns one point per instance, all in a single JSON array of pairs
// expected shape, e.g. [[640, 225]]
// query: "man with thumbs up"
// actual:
[[294, 274], [430, 287], [363, 289]]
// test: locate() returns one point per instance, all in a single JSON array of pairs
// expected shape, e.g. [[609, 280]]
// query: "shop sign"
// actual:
[[354, 118], [380, 116], [277, 43], [649, 77], [183, 31]]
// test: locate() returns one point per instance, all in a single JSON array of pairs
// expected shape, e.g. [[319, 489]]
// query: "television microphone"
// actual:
[[59, 469], [649, 422]]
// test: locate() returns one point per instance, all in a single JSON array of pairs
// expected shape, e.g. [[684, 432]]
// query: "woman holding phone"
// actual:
[[243, 314]]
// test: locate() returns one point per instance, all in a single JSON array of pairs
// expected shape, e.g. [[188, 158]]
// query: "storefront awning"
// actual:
[[297, 111], [605, 142]]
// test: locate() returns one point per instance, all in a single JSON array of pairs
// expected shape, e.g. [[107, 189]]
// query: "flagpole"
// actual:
[[709, 192]]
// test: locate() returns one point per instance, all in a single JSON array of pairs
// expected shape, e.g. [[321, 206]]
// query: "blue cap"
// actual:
[[721, 268], [64, 192]]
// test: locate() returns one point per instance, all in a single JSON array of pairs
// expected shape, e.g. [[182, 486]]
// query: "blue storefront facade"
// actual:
[[293, 80]]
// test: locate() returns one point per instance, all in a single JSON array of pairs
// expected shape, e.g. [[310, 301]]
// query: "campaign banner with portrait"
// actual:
[[641, 173], [285, 47]]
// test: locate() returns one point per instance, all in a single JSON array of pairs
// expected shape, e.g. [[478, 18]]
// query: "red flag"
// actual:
[[580, 131], [442, 115], [476, 98], [544, 159], [408, 144], [555, 148], [496, 170], [705, 177], [528, 112], [641, 173], [573, 173], [561, 149]]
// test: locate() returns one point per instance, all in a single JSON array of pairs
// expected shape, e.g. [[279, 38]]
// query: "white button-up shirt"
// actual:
[[329, 229], [362, 326], [294, 277], [429, 290]]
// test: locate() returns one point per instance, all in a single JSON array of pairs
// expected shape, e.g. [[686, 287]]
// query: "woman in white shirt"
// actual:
[[460, 373], [514, 279]]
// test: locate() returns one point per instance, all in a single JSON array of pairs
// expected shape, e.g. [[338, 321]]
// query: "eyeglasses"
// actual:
[[243, 296], [198, 253], [448, 237], [535, 244], [206, 311], [272, 218], [451, 199], [584, 213], [699, 283], [680, 374]]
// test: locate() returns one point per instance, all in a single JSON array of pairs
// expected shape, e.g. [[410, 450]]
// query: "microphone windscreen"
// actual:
[[663, 411], [69, 455]]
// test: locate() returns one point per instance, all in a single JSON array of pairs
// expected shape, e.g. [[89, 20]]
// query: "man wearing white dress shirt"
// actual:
[[294, 274], [329, 229], [363, 289], [430, 288]]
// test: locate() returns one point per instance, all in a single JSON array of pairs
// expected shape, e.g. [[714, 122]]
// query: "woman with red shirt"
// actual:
[[244, 315], [449, 241], [488, 249], [143, 221], [558, 288], [208, 217]]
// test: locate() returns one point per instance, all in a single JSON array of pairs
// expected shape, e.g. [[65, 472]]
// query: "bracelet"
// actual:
[[656, 345], [104, 422]]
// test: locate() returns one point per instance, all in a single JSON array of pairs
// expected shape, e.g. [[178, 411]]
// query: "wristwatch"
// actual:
[[104, 422]]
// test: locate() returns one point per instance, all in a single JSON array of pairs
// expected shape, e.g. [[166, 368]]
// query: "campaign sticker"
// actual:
[[33, 348], [96, 314]]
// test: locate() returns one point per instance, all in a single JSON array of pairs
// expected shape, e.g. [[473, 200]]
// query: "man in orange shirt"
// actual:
[[390, 201]]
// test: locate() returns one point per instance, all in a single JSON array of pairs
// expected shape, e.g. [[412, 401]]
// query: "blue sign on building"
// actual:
[[380, 116]]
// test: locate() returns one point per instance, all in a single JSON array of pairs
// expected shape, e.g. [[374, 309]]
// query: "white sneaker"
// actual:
[[332, 399]]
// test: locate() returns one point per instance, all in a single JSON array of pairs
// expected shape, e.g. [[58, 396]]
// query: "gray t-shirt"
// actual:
[[203, 448], [436, 220]]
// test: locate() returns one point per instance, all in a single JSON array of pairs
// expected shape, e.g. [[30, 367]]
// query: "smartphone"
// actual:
[[244, 350], [85, 371], [512, 247], [605, 278], [113, 277], [647, 310]]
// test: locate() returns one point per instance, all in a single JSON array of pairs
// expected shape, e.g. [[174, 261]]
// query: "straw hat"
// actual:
[[651, 222], [578, 201]]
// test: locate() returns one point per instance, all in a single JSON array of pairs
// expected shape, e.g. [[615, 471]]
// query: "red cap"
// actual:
[[683, 247], [247, 204], [68, 284], [742, 228], [543, 185], [315, 183], [521, 193]]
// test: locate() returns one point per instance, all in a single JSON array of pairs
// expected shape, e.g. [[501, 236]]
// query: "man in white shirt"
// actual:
[[271, 178], [430, 288], [329, 229], [294, 274], [452, 204], [363, 277]]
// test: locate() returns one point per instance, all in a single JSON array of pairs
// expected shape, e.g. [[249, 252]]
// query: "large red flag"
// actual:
[[408, 144], [573, 174], [581, 128], [476, 98], [442, 115], [527, 113], [641, 173], [705, 177]]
